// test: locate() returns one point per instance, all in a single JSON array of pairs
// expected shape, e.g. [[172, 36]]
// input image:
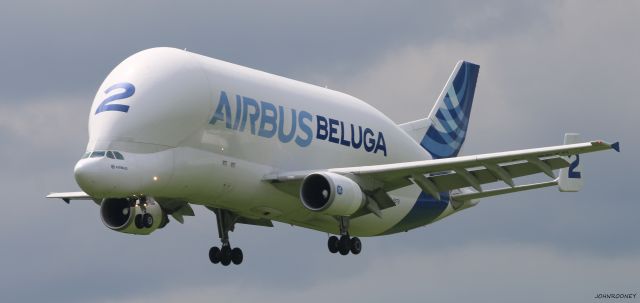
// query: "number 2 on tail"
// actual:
[[106, 104], [572, 173]]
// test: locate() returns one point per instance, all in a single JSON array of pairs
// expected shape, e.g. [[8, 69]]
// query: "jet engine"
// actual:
[[331, 194], [132, 216]]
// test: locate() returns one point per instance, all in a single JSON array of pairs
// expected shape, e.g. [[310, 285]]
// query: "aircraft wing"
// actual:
[[68, 196], [442, 175]]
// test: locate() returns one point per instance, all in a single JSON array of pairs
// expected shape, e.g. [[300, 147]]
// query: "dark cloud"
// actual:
[[69, 46]]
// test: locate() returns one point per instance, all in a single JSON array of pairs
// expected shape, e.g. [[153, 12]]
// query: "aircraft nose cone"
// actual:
[[85, 174]]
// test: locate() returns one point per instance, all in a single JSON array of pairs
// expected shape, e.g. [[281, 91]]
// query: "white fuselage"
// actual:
[[205, 131]]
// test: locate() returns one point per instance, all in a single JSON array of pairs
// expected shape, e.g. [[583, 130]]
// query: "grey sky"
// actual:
[[546, 68]]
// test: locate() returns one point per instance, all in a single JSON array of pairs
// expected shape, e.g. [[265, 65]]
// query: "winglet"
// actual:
[[616, 146]]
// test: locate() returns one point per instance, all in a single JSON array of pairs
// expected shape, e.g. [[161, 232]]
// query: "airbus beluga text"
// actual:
[[169, 128]]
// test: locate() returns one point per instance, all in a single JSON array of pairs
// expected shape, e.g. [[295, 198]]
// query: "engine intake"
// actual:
[[121, 214], [331, 194]]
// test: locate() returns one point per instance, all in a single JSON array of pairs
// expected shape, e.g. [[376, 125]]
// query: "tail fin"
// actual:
[[447, 123], [570, 179]]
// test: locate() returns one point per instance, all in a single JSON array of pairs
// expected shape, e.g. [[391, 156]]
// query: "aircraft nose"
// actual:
[[86, 174], [106, 177], [113, 174]]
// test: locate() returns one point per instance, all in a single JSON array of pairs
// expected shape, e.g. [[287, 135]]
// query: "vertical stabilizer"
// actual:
[[443, 132], [449, 118]]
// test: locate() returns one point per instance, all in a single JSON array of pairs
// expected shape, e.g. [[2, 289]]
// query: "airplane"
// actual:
[[169, 129]]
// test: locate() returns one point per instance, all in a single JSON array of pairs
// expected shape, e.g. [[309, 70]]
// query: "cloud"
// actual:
[[503, 273], [544, 80], [53, 122]]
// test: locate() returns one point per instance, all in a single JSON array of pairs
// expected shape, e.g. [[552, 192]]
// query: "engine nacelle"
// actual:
[[331, 194], [121, 214]]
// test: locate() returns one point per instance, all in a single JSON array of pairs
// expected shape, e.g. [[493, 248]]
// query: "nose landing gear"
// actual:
[[144, 220]]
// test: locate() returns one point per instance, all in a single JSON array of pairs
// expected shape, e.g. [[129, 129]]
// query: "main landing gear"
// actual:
[[345, 243], [225, 255]]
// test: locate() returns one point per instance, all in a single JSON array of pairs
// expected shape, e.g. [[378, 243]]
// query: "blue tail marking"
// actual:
[[445, 136]]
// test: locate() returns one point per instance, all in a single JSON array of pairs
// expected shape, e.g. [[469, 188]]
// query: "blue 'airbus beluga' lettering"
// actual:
[[265, 120], [282, 150]]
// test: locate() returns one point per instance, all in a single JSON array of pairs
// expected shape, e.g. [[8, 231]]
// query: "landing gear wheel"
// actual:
[[138, 221], [343, 245], [225, 258], [236, 256], [333, 244], [214, 255], [356, 245], [147, 220]]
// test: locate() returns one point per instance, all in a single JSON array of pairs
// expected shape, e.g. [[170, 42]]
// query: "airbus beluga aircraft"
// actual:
[[169, 129]]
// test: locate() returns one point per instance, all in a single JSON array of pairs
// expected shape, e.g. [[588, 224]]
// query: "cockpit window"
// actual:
[[111, 154], [118, 155], [97, 154]]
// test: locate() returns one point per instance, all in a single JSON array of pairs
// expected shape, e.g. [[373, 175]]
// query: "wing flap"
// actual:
[[502, 191], [453, 180]]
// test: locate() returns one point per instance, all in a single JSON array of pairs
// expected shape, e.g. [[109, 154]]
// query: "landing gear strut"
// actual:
[[225, 255], [144, 220], [345, 243]]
